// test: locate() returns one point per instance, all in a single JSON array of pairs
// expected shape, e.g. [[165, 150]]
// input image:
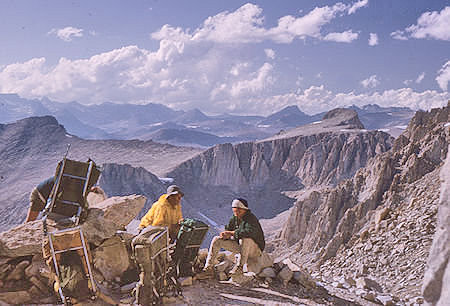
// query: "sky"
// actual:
[[237, 57]]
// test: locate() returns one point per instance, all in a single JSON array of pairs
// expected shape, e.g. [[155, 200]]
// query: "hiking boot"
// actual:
[[237, 270], [207, 273]]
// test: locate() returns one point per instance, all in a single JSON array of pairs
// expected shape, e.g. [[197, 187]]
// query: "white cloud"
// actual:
[[370, 82], [357, 6], [309, 25], [420, 78], [400, 35], [255, 84], [67, 33], [373, 39], [434, 25], [444, 76], [246, 25], [347, 36], [318, 99], [203, 68], [241, 26], [270, 53], [236, 69]]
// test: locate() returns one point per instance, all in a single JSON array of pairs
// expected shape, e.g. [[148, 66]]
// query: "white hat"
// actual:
[[239, 203]]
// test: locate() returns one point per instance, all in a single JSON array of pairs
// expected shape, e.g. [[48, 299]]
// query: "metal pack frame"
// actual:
[[83, 247]]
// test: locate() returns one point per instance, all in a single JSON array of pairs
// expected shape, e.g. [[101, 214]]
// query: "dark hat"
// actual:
[[239, 203], [174, 189]]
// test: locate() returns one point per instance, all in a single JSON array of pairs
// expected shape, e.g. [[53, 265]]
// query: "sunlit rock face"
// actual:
[[380, 222], [319, 154]]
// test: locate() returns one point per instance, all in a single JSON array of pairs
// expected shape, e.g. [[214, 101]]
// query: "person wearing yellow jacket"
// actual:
[[165, 212]]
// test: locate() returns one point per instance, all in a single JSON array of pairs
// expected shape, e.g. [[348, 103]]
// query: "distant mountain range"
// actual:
[[186, 128], [258, 171]]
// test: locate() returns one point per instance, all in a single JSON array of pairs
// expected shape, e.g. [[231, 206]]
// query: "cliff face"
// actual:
[[436, 283], [121, 180], [360, 224], [261, 171]]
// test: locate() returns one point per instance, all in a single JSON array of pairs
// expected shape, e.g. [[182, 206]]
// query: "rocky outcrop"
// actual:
[[24, 276], [382, 220], [120, 180], [344, 117], [318, 154], [31, 148], [100, 224], [436, 283]]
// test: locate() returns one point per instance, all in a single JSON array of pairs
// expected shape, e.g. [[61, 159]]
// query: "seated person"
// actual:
[[165, 212], [243, 235], [39, 197]]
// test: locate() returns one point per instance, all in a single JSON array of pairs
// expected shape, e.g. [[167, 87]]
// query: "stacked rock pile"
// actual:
[[24, 276]]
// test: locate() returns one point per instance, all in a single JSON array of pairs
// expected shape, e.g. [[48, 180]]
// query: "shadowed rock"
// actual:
[[101, 224], [436, 283]]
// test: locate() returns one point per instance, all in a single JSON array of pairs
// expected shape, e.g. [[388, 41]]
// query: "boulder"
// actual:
[[292, 266], [22, 240], [185, 281], [223, 266], [286, 274], [222, 276], [370, 296], [381, 214], [304, 278], [37, 264], [121, 210], [16, 297], [242, 279], [19, 271], [367, 283], [202, 254], [257, 264], [111, 258], [101, 224], [268, 272], [385, 300]]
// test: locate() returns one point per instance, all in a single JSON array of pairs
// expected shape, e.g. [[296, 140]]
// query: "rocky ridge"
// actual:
[[379, 224], [306, 156], [436, 282], [31, 148]]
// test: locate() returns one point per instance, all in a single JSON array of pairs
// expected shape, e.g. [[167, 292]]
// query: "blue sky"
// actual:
[[228, 56]]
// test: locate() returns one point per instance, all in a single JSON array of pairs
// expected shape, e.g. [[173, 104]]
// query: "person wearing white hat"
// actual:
[[243, 234]]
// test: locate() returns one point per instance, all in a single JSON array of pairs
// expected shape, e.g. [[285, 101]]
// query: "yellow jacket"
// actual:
[[162, 213]]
